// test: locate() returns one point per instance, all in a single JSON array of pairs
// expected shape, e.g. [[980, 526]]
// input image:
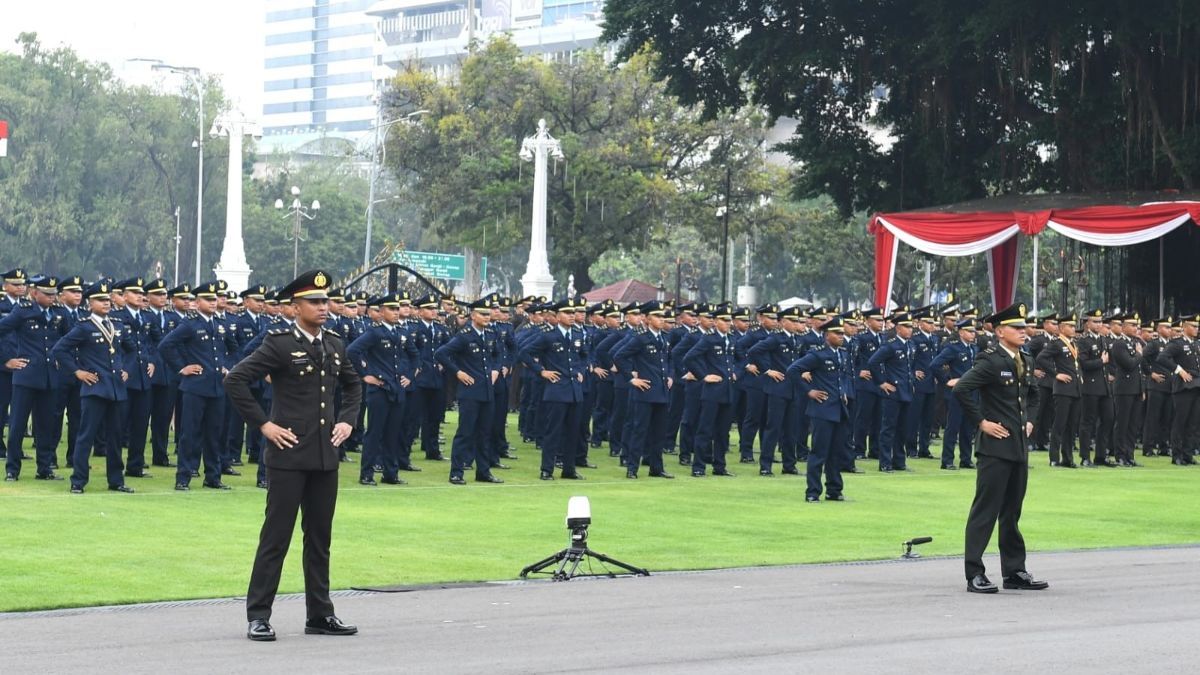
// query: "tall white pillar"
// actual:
[[537, 279], [232, 266]]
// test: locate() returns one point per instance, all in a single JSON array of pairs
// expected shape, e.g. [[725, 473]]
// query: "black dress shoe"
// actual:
[[138, 474], [746, 460], [546, 475], [981, 584], [410, 467], [236, 462], [885, 469], [631, 474], [835, 498], [182, 487], [966, 465], [436, 458], [575, 475], [723, 472], [230, 472], [48, 476], [661, 474], [330, 625], [1024, 581], [260, 631], [216, 486], [791, 472], [346, 459], [854, 469], [505, 467], [811, 499], [507, 455], [457, 480], [949, 467], [76, 490], [767, 473], [195, 473], [489, 478], [121, 488], [393, 481], [614, 453], [368, 481], [698, 474], [166, 464], [585, 465], [1087, 463], [263, 485], [10, 477]]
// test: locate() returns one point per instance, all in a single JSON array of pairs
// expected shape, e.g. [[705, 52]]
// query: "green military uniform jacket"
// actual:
[[1003, 397], [304, 378]]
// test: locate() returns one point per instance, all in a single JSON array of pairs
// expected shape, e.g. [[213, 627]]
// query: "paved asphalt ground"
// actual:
[[1127, 611]]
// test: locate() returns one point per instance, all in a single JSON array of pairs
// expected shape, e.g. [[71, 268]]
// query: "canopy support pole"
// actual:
[[1160, 276], [1035, 275]]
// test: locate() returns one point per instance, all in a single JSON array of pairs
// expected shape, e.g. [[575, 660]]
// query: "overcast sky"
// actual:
[[222, 37]]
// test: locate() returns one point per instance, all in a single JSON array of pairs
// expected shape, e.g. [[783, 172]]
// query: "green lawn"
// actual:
[[62, 550]]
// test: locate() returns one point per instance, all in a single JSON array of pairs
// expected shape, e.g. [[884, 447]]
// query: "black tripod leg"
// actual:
[[617, 563], [544, 563]]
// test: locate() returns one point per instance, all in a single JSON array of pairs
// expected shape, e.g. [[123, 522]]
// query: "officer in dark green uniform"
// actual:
[[307, 363], [1008, 394]]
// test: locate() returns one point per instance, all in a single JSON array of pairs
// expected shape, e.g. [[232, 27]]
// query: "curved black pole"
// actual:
[[393, 269]]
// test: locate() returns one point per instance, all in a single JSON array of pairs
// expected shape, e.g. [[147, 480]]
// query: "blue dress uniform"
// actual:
[[679, 393], [645, 354], [507, 357], [558, 351], [200, 340], [830, 418], [172, 317], [14, 282], [954, 360], [809, 339], [920, 414], [892, 364], [752, 387], [162, 398], [143, 351], [603, 386], [776, 352], [426, 399], [686, 432], [386, 352], [850, 348], [248, 326], [29, 332], [620, 386], [66, 388], [866, 391], [95, 345], [472, 351], [713, 354]]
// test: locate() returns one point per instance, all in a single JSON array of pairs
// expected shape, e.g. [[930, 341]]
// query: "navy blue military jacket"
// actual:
[[954, 360], [746, 379], [388, 353], [925, 348], [559, 352], [475, 354], [207, 343], [776, 351], [866, 343], [85, 347], [506, 346], [713, 354], [892, 363], [609, 345], [647, 355], [29, 332], [143, 347], [428, 339], [680, 349], [827, 367]]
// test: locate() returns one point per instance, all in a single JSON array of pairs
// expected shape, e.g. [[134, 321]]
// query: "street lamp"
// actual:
[[196, 77], [299, 212], [378, 155]]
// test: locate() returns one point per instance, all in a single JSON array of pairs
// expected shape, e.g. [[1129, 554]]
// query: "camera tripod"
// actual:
[[569, 559]]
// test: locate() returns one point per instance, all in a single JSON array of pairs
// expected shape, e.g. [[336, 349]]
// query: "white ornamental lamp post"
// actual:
[[537, 280], [232, 266]]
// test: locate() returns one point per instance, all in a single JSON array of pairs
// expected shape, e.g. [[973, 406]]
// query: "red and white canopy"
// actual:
[[999, 234]]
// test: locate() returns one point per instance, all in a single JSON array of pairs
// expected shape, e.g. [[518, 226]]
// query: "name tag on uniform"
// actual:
[[1006, 373]]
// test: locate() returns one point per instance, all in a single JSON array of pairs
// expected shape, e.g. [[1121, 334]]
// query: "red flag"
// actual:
[[3, 138]]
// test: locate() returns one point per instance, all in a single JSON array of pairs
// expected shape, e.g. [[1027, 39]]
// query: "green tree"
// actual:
[[636, 163], [909, 104]]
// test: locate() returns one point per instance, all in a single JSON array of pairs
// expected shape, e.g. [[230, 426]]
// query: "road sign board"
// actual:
[[448, 266]]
